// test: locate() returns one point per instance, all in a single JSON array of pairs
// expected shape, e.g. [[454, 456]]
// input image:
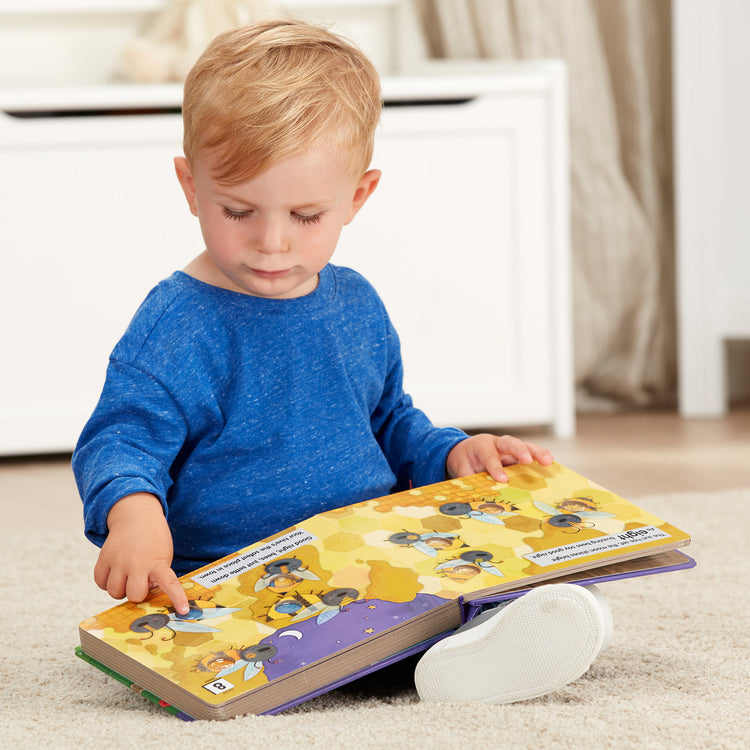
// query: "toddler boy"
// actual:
[[261, 384]]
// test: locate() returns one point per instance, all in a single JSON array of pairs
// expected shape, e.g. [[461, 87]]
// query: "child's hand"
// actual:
[[490, 453], [137, 554]]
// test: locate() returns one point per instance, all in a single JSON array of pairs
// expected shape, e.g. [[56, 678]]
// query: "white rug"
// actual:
[[677, 674]]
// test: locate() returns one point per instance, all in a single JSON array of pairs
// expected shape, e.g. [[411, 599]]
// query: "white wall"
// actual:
[[712, 121], [734, 146]]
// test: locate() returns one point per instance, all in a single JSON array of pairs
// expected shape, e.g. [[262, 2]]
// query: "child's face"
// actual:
[[272, 235]]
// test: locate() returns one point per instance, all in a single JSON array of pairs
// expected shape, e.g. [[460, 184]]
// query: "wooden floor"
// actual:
[[631, 454]]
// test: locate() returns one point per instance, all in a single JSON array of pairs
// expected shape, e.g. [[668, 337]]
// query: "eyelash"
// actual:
[[229, 214], [238, 216], [314, 219]]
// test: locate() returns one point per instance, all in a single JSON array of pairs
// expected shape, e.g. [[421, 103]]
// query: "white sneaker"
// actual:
[[535, 644]]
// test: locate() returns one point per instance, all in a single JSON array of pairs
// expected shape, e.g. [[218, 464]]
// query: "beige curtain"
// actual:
[[618, 57]]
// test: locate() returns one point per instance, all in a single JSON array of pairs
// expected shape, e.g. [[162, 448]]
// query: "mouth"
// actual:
[[269, 274]]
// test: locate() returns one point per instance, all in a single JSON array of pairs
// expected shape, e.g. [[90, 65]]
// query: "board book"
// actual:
[[350, 590]]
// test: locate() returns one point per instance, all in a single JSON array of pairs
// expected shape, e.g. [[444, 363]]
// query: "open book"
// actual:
[[352, 589]]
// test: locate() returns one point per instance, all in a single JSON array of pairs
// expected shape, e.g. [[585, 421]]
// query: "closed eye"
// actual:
[[311, 219], [235, 215], [301, 218]]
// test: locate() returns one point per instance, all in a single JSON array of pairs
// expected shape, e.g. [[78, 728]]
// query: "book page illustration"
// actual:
[[352, 574]]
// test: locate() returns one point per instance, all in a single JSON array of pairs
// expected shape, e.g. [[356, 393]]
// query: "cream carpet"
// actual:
[[677, 674]]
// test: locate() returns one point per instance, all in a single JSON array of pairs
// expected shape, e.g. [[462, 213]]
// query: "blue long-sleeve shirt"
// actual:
[[246, 415]]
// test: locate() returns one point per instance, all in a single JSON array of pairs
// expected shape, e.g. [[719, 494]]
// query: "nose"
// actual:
[[271, 236]]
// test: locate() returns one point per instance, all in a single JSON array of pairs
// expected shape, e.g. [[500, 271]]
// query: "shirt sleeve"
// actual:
[[128, 445], [416, 450]]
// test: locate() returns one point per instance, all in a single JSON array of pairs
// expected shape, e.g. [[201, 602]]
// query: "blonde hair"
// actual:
[[271, 90]]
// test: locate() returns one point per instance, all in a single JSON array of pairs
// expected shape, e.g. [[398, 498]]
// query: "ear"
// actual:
[[185, 176], [364, 190]]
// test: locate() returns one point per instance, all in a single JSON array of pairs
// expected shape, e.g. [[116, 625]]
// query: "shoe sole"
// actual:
[[537, 644]]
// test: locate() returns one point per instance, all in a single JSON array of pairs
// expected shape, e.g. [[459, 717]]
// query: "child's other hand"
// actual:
[[490, 453], [137, 554]]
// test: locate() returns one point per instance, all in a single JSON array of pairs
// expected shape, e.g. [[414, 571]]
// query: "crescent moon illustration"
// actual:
[[295, 633]]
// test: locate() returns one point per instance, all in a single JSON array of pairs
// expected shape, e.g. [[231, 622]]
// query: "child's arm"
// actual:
[[490, 453], [137, 554]]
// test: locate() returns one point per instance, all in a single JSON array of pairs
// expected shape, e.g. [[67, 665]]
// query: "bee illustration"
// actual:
[[286, 607], [571, 515], [282, 576], [223, 663], [328, 606], [429, 543], [469, 564], [173, 622], [487, 510]]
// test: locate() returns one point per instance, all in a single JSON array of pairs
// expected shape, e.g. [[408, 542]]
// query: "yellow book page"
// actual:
[[350, 574]]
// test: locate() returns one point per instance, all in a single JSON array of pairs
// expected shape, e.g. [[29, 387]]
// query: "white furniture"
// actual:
[[466, 239], [62, 42], [712, 156]]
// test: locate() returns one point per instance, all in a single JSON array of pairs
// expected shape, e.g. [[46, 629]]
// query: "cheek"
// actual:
[[220, 233], [326, 246], [329, 237]]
